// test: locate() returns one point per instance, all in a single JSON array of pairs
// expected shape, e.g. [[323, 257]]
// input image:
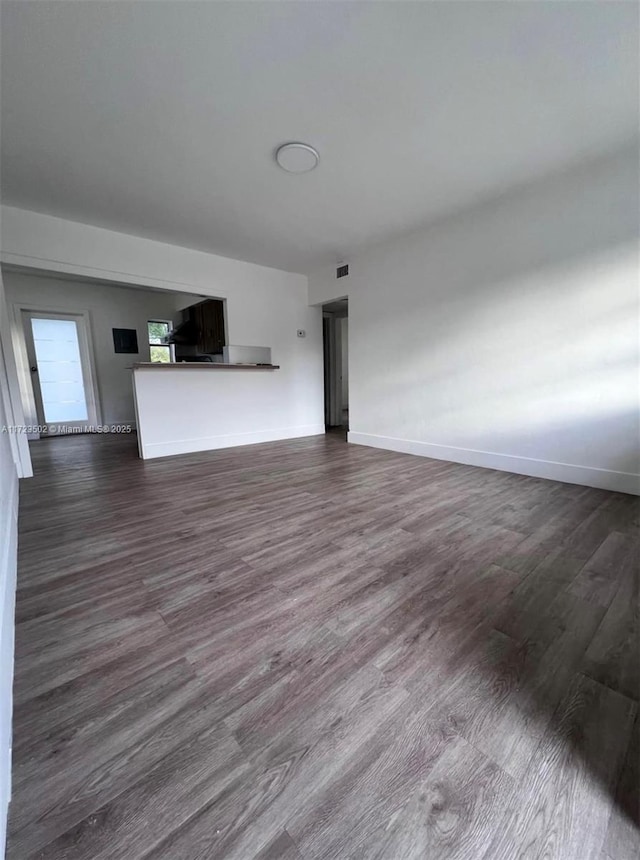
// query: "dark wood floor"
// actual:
[[308, 650]]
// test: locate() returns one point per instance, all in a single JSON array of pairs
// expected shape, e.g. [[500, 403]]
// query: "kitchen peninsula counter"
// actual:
[[183, 407]]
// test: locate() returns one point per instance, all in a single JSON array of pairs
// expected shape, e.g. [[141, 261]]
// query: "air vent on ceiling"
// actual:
[[342, 271]]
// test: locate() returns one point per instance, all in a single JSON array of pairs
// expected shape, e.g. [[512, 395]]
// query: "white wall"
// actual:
[[265, 307], [8, 557], [8, 560], [10, 469], [109, 307], [509, 333]]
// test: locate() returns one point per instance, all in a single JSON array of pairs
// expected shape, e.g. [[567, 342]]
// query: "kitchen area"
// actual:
[[198, 392], [184, 371]]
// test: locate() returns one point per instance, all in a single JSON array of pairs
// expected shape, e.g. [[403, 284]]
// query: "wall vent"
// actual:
[[342, 271]]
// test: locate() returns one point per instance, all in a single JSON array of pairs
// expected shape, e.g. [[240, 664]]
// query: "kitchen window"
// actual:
[[160, 351]]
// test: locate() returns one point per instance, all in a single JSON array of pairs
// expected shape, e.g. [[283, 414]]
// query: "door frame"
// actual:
[[82, 317], [333, 387], [10, 388]]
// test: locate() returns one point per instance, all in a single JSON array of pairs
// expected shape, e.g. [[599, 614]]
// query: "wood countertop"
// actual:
[[202, 365]]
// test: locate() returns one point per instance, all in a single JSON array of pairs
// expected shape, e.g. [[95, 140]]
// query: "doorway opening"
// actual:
[[335, 330], [60, 363]]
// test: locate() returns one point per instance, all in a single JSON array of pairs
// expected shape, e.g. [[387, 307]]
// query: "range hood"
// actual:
[[186, 334]]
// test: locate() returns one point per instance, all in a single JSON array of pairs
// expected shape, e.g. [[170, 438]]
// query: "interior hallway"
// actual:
[[307, 649]]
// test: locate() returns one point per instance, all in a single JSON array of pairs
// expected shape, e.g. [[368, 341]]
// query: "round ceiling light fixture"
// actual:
[[297, 157]]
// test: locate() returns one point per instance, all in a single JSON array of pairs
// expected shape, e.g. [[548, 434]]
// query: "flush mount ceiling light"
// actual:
[[297, 157]]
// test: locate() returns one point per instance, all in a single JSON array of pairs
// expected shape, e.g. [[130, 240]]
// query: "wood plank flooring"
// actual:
[[308, 650]]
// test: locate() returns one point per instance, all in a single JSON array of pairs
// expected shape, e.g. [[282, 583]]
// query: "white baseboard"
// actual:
[[211, 443], [587, 476]]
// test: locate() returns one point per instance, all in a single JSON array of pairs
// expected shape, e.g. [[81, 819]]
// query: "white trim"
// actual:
[[210, 443], [588, 476], [10, 386]]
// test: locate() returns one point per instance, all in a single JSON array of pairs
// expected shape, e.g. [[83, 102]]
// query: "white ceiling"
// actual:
[[161, 119]]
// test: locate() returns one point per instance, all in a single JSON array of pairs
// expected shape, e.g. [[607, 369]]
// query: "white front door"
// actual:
[[58, 355]]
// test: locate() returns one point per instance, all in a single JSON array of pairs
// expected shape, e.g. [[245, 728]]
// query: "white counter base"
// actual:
[[180, 410]]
